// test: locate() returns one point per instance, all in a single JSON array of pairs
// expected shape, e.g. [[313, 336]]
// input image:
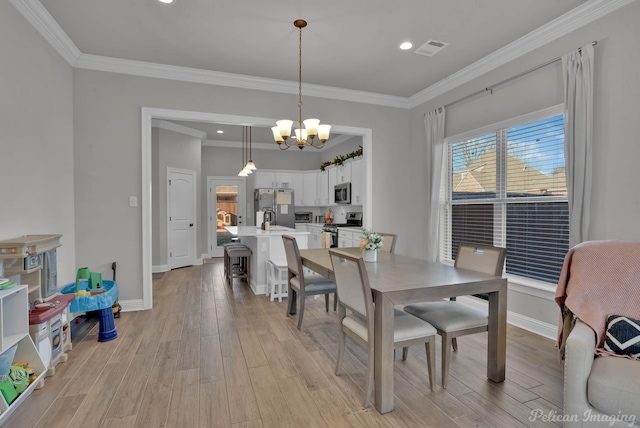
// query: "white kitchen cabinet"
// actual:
[[315, 235], [14, 330], [272, 179], [263, 179], [348, 238], [322, 187], [343, 173], [310, 189], [357, 182], [298, 189]]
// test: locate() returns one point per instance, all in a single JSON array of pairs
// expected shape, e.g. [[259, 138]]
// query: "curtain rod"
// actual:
[[492, 87]]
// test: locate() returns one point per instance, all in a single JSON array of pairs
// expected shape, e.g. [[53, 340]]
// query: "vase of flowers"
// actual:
[[370, 244]]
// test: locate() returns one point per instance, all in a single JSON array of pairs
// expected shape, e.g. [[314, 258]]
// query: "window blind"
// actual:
[[507, 188]]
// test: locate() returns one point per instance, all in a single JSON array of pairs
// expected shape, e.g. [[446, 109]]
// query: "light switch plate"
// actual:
[[133, 201]]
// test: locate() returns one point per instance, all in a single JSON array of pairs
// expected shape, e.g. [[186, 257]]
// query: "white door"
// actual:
[[181, 211], [226, 207]]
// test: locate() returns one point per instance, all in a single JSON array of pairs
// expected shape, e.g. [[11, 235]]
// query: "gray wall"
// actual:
[[616, 196], [107, 134], [36, 139]]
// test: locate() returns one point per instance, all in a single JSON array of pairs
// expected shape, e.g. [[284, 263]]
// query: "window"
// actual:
[[505, 186]]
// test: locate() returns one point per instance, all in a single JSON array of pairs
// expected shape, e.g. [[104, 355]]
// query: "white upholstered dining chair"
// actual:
[[453, 319], [355, 316], [388, 242], [304, 285]]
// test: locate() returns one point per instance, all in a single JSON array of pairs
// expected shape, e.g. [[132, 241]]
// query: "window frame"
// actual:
[[536, 287]]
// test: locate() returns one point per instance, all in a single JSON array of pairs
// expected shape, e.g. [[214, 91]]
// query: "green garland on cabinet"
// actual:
[[339, 160]]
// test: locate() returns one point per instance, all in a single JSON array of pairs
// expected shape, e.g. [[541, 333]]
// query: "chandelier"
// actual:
[[312, 127], [248, 167]]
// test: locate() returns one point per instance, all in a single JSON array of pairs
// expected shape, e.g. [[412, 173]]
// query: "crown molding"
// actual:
[[43, 22], [180, 129], [194, 75], [588, 12], [570, 21]]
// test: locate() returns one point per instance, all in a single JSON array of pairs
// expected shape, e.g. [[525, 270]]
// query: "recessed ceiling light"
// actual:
[[406, 45], [220, 131], [166, 1]]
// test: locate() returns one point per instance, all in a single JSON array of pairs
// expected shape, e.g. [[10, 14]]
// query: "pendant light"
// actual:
[[312, 127]]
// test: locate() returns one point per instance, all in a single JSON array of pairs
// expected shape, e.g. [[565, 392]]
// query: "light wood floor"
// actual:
[[211, 355]]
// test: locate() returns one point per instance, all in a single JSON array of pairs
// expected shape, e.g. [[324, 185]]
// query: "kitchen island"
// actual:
[[266, 245]]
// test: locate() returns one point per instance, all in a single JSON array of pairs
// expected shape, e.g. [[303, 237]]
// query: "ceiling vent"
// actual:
[[431, 47]]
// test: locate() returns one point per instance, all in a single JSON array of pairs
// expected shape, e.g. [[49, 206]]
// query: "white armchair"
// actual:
[[600, 392]]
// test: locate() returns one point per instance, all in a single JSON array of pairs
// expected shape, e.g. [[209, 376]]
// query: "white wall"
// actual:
[[616, 195], [36, 139]]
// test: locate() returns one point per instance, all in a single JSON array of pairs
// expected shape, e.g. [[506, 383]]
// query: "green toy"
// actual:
[[94, 278]]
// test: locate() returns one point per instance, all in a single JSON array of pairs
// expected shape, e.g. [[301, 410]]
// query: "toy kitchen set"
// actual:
[[34, 318]]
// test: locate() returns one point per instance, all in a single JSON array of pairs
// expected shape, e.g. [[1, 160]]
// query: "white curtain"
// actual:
[[577, 70], [434, 126]]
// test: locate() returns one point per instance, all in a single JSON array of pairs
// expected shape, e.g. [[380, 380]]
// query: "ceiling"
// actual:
[[350, 46]]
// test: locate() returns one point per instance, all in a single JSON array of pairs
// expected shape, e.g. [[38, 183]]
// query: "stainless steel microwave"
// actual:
[[342, 193], [303, 217]]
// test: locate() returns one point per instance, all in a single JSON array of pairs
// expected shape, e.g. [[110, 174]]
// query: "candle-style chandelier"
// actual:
[[312, 127]]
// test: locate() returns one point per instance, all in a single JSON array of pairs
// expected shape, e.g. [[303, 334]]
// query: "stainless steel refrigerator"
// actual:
[[280, 201]]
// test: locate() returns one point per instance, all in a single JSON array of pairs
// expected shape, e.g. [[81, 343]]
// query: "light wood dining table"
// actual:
[[400, 280]]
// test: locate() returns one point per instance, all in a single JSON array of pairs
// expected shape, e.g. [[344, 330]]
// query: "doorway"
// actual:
[[226, 207], [146, 117]]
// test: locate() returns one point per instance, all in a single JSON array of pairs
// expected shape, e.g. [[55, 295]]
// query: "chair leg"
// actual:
[[370, 367], [291, 302], [301, 311], [446, 358], [341, 341], [326, 302], [405, 353], [454, 342], [335, 301], [430, 348]]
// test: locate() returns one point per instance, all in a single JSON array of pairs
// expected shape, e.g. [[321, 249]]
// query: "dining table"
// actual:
[[398, 280]]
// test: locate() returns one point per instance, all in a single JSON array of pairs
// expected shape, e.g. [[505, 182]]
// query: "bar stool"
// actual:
[[277, 278], [239, 263], [226, 255]]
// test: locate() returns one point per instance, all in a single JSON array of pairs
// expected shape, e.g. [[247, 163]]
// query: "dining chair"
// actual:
[[355, 316], [453, 319], [388, 242], [304, 285]]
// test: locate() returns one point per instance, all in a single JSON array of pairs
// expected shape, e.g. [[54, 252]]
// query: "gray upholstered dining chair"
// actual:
[[355, 315], [301, 285], [453, 319], [388, 242]]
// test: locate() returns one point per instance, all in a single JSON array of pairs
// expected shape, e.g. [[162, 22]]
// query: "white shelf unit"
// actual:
[[14, 329]]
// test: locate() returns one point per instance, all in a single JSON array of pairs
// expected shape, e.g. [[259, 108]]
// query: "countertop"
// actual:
[[256, 231]]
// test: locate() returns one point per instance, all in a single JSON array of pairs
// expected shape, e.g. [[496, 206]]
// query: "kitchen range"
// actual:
[[353, 219]]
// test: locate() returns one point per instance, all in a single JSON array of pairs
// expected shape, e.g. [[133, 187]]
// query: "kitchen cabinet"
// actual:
[[272, 180], [349, 237], [14, 331], [315, 235], [322, 187], [357, 182], [310, 197], [298, 189]]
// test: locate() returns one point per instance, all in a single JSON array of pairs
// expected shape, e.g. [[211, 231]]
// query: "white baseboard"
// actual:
[[132, 305], [160, 268], [550, 331]]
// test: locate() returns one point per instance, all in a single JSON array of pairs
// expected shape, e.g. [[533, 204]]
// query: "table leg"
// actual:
[[497, 341], [383, 355]]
